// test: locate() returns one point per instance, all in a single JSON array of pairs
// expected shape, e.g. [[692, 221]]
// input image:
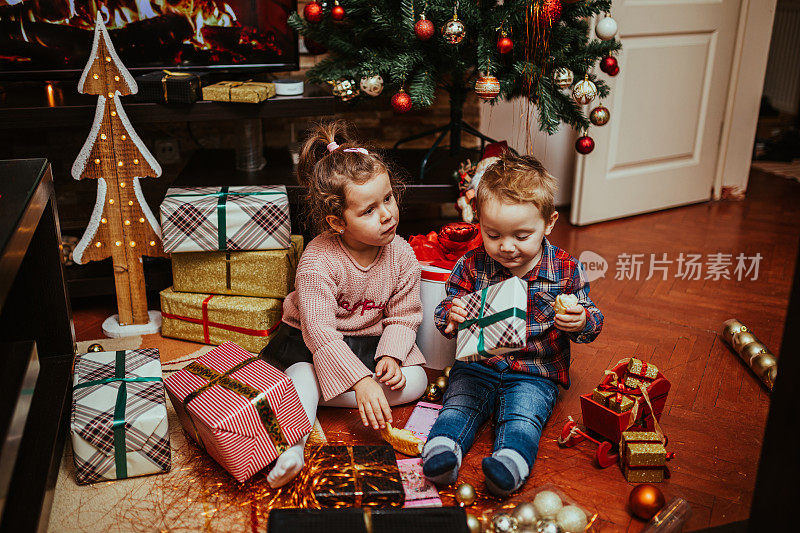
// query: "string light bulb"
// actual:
[[103, 220], [152, 243], [111, 200], [118, 243], [132, 243], [95, 76], [127, 222], [98, 244]]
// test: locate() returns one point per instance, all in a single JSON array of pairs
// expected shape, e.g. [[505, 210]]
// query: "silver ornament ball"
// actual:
[[454, 30], [606, 28], [372, 85], [547, 504], [572, 519]]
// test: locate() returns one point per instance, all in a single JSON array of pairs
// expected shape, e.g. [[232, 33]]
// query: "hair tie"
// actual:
[[332, 146], [359, 150]]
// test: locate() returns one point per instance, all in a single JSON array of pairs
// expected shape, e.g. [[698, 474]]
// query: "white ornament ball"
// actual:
[[572, 519], [547, 504], [372, 85], [606, 28], [584, 91]]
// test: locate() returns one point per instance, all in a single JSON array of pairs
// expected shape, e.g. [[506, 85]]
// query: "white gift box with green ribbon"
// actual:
[[495, 321]]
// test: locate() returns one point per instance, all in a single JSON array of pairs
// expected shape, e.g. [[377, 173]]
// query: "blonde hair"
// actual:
[[518, 179], [325, 173]]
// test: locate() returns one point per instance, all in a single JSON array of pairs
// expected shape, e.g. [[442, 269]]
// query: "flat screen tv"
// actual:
[[53, 38]]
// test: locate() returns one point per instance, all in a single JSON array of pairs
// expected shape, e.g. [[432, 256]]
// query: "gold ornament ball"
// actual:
[[454, 30], [447, 370], [600, 116], [762, 363], [433, 392], [441, 382], [465, 494], [96, 347], [487, 87], [372, 85], [504, 523], [563, 77], [743, 338], [646, 500], [473, 524], [751, 351], [730, 328], [584, 91], [345, 89], [525, 513]]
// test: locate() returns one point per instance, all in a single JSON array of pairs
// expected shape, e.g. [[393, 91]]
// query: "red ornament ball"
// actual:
[[505, 44], [312, 12], [614, 71], [424, 28], [646, 500], [550, 12], [337, 13], [607, 64], [401, 102], [584, 144]]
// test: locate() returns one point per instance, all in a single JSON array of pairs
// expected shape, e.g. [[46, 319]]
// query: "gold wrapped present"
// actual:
[[634, 382], [619, 403], [211, 319], [643, 456], [261, 273], [642, 369], [251, 92], [602, 396]]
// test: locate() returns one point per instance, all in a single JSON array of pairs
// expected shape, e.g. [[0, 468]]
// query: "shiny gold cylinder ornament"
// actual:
[[563, 77], [465, 494], [762, 363], [345, 90], [730, 328], [454, 30], [433, 393], [755, 355], [487, 87], [96, 347], [751, 350], [584, 91], [441, 382], [372, 85], [600, 116]]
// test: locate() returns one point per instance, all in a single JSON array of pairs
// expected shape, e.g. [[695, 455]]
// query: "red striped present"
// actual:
[[243, 411]]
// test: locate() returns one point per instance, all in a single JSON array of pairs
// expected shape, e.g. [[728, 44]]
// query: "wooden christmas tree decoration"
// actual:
[[122, 226]]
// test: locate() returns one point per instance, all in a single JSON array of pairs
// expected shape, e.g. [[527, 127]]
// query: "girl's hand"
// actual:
[[573, 320], [389, 372], [457, 315], [372, 404]]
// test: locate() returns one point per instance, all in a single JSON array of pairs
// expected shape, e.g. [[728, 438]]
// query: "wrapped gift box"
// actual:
[[439, 351], [639, 372], [496, 321], [119, 416], [617, 402], [356, 476], [172, 87], [250, 92], [643, 456], [203, 219], [261, 273], [243, 411], [212, 319]]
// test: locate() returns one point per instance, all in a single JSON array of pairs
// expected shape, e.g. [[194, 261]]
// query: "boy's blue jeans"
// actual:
[[521, 404]]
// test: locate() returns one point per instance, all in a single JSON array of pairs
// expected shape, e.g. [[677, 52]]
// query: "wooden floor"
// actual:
[[716, 410]]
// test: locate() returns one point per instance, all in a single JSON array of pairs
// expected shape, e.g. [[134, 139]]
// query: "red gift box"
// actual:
[[243, 411], [610, 424]]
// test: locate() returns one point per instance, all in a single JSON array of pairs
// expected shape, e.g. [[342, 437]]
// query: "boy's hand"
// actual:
[[573, 320], [388, 370], [457, 315], [372, 404]]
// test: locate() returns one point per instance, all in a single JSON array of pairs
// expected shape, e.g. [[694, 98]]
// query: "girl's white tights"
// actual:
[[304, 377]]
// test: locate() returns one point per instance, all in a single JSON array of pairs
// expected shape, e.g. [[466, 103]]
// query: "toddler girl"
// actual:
[[349, 328]]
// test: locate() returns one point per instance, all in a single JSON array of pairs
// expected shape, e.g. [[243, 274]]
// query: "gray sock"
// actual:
[[439, 445], [515, 464]]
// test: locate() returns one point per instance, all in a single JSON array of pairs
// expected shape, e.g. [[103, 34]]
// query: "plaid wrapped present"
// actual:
[[243, 411], [119, 416], [197, 219], [496, 323]]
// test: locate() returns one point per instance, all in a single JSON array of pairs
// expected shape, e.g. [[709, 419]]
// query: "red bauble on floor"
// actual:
[[401, 102], [584, 144], [312, 12], [424, 28]]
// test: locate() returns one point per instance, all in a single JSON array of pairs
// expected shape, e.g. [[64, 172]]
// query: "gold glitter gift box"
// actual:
[[609, 399], [251, 92], [212, 319], [261, 273], [639, 372], [643, 456]]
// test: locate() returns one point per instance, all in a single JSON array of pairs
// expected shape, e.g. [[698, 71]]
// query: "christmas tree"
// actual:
[[534, 48], [122, 226]]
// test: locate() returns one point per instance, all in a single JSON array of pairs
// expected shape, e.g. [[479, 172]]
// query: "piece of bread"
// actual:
[[564, 302], [402, 440]]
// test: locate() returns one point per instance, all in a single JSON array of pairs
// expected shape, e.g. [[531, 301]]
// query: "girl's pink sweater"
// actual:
[[335, 296]]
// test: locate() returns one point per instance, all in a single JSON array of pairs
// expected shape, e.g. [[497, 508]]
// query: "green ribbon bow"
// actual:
[[223, 193], [483, 321], [120, 451]]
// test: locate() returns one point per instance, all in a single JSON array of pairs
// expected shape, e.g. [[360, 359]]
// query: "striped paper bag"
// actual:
[[243, 411]]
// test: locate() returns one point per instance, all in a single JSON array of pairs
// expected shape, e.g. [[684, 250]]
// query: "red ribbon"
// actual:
[[427, 275], [444, 248], [206, 323]]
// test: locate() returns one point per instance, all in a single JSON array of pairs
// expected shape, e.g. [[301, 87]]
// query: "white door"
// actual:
[[667, 104]]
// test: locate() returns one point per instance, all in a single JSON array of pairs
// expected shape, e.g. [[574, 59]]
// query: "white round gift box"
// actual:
[[439, 351]]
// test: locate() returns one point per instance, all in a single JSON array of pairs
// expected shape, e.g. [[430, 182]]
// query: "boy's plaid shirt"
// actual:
[[546, 352]]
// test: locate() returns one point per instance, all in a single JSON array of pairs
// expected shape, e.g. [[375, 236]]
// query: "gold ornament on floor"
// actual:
[[465, 494], [525, 513], [743, 338], [447, 370], [487, 87], [346, 90], [584, 91], [441, 382], [754, 354], [563, 77], [433, 393], [730, 328], [372, 85], [96, 347], [503, 523], [600, 115], [454, 30], [473, 524]]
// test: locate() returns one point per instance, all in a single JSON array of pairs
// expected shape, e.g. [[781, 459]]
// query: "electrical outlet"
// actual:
[[166, 151]]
